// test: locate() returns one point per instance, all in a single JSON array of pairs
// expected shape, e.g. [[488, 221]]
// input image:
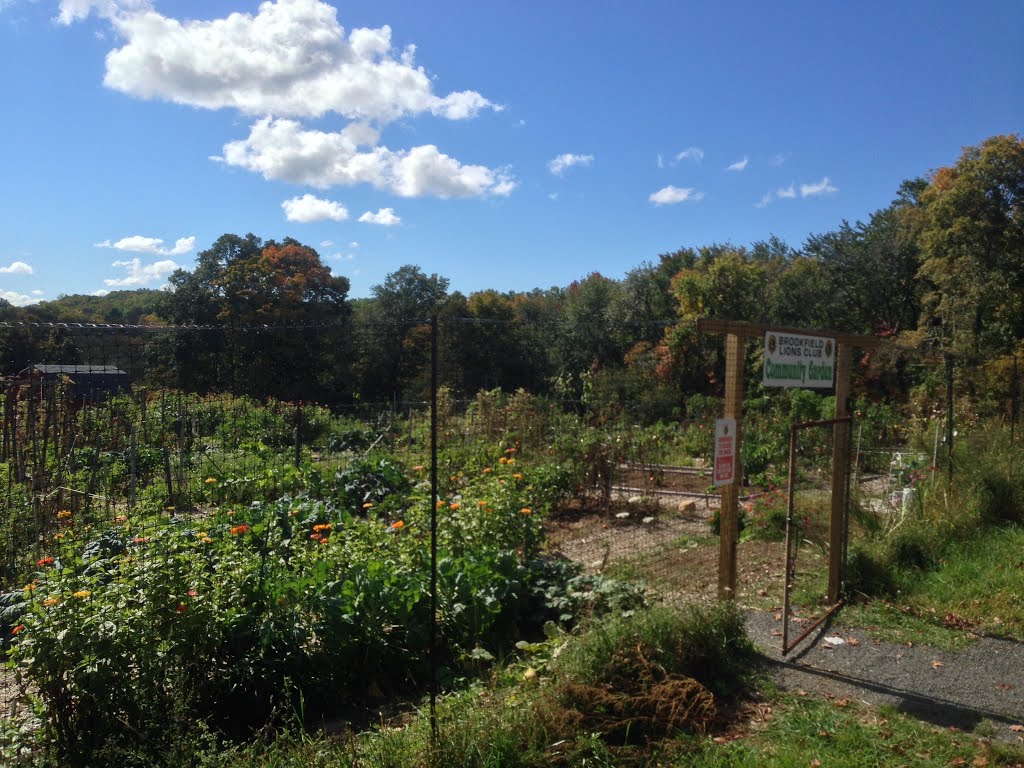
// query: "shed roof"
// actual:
[[71, 370]]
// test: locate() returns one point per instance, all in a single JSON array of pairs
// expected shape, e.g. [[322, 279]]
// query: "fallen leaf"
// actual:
[[776, 633], [980, 762], [1004, 686], [853, 641], [815, 763], [841, 702], [958, 761], [1017, 728], [937, 664], [778, 615]]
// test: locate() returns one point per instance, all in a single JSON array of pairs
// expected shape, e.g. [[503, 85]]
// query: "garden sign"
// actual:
[[795, 360]]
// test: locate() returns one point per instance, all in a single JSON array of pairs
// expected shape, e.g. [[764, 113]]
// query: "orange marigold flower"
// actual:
[[455, 478], [454, 505], [18, 629], [121, 519], [323, 527], [525, 511], [510, 462], [368, 505], [316, 536], [517, 476], [210, 480], [44, 561], [64, 514], [82, 594], [397, 525], [140, 540], [29, 587], [510, 450], [51, 601], [481, 503], [487, 470], [239, 529], [503, 460], [324, 540], [206, 540], [418, 468]]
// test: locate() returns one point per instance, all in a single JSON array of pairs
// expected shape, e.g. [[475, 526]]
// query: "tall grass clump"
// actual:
[[617, 694], [987, 490]]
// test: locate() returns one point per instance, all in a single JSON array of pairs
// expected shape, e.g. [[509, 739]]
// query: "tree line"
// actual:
[[939, 271]]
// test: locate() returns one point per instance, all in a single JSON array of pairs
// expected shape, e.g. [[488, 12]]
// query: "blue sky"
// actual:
[[502, 145]]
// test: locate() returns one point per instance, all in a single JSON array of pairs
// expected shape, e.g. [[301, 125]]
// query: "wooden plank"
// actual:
[[749, 330], [728, 530], [840, 467]]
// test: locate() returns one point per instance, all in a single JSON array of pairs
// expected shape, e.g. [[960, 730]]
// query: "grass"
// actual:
[[803, 730], [977, 587]]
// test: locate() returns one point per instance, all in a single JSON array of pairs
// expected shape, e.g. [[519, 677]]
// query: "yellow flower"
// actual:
[[503, 460], [368, 505], [210, 480], [64, 514], [51, 601], [487, 470], [517, 476], [82, 594], [481, 503], [525, 511], [510, 462], [30, 587], [206, 540], [120, 519]]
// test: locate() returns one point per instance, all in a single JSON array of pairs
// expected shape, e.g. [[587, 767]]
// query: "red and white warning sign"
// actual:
[[725, 451]]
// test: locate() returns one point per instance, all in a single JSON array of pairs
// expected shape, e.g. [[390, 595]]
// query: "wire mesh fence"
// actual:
[[346, 510]]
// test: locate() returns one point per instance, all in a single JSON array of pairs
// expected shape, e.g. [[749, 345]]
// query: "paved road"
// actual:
[[985, 681]]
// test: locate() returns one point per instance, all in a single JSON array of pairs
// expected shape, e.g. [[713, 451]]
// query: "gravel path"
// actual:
[[983, 682]]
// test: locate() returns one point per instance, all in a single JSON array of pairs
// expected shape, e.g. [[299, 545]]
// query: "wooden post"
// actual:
[[728, 528], [840, 470]]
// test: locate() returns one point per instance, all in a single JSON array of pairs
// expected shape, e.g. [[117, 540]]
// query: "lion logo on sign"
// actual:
[[772, 344]]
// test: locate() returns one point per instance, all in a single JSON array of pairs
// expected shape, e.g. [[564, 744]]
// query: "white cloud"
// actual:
[[563, 162], [75, 10], [670, 195], [661, 161], [16, 268], [353, 244], [385, 217], [326, 243], [291, 58], [139, 274], [739, 165], [777, 160], [782, 193], [690, 153], [38, 293], [18, 299], [823, 187], [282, 150], [309, 208], [151, 245], [100, 292]]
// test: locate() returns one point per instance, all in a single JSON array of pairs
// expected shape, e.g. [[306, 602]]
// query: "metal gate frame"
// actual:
[[833, 554]]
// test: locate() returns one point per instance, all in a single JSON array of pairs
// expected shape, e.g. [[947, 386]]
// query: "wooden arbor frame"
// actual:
[[736, 333]]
